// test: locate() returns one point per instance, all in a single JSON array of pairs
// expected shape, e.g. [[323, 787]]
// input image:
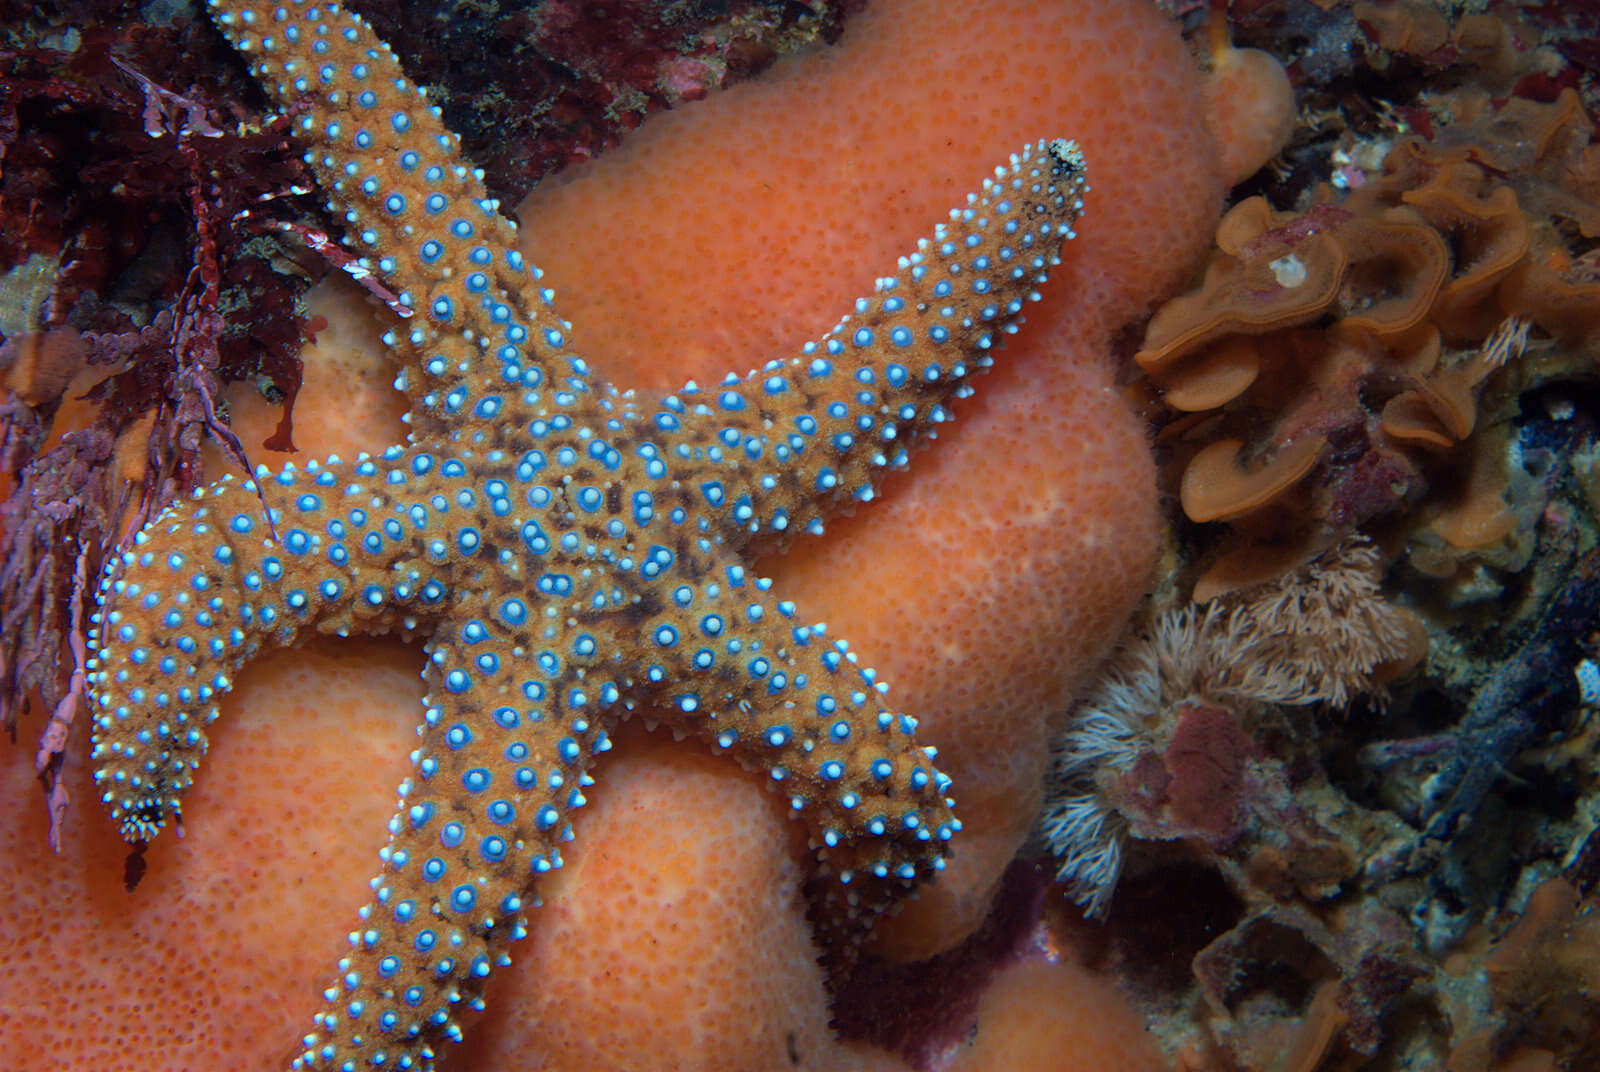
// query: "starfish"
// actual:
[[567, 554]]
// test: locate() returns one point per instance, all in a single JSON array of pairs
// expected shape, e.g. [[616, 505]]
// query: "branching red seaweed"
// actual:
[[118, 192]]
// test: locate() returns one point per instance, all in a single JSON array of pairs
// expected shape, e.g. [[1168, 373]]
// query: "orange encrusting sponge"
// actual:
[[214, 960], [674, 939], [1055, 1017]]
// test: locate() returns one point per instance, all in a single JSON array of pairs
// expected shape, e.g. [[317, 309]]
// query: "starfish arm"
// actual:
[[737, 671], [507, 740], [205, 586], [478, 350], [799, 439]]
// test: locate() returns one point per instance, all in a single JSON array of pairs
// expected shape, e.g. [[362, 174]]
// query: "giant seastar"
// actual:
[[567, 554]]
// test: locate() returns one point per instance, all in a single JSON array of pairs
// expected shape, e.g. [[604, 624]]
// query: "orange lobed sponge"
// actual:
[[1040, 1016], [988, 584], [985, 588], [687, 952], [677, 928], [213, 961]]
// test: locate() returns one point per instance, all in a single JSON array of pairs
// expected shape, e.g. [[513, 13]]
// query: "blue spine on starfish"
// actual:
[[565, 558], [876, 384], [485, 342]]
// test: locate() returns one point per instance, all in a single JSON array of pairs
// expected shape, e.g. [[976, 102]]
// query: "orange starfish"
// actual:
[[568, 555]]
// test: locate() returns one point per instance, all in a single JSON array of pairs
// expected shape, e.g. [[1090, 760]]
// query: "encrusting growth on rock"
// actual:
[[1160, 748]]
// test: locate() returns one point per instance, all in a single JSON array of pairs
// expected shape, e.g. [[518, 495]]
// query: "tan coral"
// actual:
[[1526, 133], [1558, 295], [1247, 221], [1415, 353], [1215, 488], [1545, 151], [1440, 411], [1242, 567], [1489, 235], [1397, 265], [1356, 338], [1378, 273], [1282, 285], [1324, 1019], [1473, 516], [1484, 42], [1216, 377], [1409, 26], [1542, 975]]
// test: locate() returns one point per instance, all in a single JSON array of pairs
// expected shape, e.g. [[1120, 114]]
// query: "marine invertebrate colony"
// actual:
[[1364, 335], [568, 555], [1170, 745]]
